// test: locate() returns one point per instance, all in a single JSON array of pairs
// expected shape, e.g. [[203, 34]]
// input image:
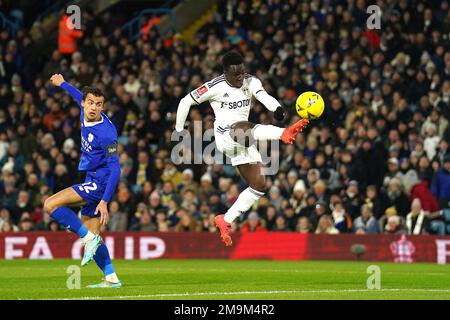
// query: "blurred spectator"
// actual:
[[373, 201], [431, 141], [395, 225], [352, 201], [270, 217], [418, 221], [145, 223], [342, 220], [8, 227], [187, 223], [253, 223], [44, 223], [394, 196], [209, 224], [298, 199], [188, 181], [319, 210], [280, 224], [441, 184], [325, 226], [366, 223], [26, 224], [117, 218], [276, 197], [291, 217], [22, 205], [303, 225], [142, 171], [421, 191], [391, 211], [67, 35], [5, 216]]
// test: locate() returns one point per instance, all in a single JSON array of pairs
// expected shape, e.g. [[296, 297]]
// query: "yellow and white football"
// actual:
[[309, 105]]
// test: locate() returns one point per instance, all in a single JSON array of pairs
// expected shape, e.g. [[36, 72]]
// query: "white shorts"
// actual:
[[233, 150]]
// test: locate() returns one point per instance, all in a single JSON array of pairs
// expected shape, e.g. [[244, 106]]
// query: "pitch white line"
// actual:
[[177, 270], [175, 295]]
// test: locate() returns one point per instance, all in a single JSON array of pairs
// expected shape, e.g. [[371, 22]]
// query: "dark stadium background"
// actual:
[[363, 153]]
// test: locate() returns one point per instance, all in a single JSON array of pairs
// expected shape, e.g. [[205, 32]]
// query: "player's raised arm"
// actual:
[[266, 99], [196, 96], [58, 81]]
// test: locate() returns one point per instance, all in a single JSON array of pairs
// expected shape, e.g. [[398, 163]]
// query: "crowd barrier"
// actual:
[[258, 245]]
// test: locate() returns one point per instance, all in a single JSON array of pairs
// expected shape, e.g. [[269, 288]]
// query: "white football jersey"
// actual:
[[230, 104]]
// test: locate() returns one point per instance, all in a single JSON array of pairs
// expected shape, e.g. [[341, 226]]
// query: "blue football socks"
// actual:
[[103, 260], [69, 220]]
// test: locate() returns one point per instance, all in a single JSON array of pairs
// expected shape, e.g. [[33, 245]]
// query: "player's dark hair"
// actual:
[[92, 90], [232, 58]]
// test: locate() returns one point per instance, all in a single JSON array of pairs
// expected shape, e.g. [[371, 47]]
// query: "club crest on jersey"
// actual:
[[90, 137], [200, 91]]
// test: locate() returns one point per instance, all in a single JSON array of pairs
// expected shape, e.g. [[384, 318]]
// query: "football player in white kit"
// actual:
[[230, 96]]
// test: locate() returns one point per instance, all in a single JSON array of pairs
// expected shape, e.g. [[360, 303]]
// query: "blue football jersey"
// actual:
[[98, 142]]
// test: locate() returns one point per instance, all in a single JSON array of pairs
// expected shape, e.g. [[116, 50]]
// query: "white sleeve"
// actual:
[[262, 96], [182, 112], [197, 96]]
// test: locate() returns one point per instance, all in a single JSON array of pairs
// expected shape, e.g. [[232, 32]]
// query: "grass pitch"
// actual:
[[226, 279]]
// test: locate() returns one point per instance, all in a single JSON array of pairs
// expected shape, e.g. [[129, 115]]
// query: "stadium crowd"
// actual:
[[377, 161]]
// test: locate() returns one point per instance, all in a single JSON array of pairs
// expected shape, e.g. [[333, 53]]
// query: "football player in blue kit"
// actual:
[[100, 161]]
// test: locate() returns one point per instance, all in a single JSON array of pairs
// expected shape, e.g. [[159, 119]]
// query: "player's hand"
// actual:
[[179, 129], [279, 114], [57, 79], [102, 208]]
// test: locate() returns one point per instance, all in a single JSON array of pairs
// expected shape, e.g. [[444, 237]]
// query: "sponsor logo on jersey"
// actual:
[[236, 104], [85, 145], [112, 149], [226, 95], [90, 137]]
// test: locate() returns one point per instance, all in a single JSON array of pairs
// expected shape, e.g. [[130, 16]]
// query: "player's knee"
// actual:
[[259, 185], [49, 206]]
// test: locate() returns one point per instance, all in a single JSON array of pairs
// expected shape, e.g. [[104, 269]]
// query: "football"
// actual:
[[310, 105]]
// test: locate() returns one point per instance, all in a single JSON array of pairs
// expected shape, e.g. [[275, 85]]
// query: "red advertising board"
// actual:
[[262, 245]]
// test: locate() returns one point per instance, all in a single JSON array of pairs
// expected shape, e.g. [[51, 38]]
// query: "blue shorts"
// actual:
[[91, 191]]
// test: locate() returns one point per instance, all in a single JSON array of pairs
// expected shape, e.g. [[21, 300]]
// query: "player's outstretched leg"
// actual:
[[56, 207], [289, 133], [102, 258], [244, 132], [251, 173]]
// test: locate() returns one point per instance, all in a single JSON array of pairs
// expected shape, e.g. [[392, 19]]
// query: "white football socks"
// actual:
[[89, 236], [267, 132], [243, 203], [112, 278]]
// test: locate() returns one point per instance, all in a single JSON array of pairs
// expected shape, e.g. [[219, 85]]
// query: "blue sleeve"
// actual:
[[112, 161], [74, 92]]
